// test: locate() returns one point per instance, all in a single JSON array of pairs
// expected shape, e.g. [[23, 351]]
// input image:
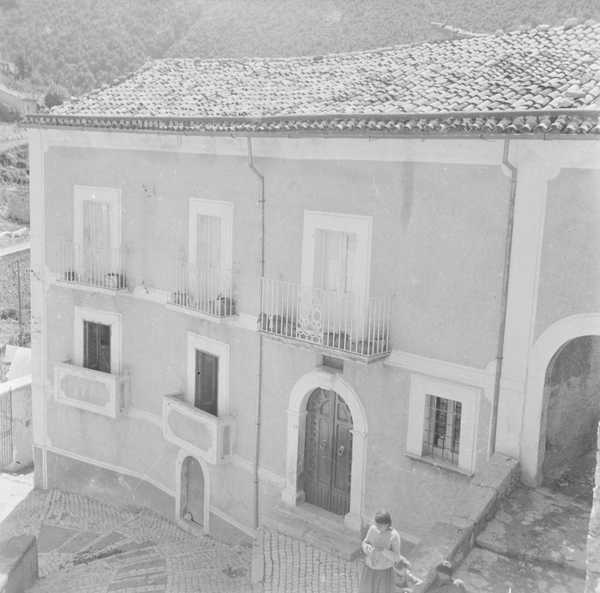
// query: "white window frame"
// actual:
[[222, 351], [111, 196], [114, 320], [361, 226], [220, 209], [469, 398]]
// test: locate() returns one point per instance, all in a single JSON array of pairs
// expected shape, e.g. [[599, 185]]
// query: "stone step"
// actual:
[[539, 526], [321, 529], [486, 572]]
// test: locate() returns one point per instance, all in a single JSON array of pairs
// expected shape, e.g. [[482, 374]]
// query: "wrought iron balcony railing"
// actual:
[[90, 266], [326, 319], [208, 292]]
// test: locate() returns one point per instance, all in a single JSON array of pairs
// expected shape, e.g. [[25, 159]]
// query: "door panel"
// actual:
[[328, 452]]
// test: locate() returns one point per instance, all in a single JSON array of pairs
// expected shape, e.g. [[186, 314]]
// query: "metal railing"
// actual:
[[343, 322], [205, 291], [82, 264]]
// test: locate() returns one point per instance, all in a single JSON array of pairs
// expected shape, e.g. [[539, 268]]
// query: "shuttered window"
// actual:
[[206, 387], [96, 246], [335, 256], [96, 346], [96, 224], [208, 255]]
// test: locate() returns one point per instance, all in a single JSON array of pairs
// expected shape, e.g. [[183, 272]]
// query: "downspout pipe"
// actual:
[[261, 267], [505, 284]]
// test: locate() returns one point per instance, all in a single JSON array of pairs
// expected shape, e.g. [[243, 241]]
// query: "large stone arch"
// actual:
[[181, 457], [323, 378], [542, 352]]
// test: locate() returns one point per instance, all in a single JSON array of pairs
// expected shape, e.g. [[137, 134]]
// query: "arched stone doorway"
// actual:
[[571, 406], [329, 380], [328, 452], [192, 507]]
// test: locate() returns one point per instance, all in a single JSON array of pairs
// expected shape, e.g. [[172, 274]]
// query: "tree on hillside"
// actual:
[[23, 67], [55, 95]]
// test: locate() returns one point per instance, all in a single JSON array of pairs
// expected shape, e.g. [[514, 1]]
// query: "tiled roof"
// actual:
[[545, 79]]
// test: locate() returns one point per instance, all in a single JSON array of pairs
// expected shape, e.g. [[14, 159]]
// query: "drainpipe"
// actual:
[[261, 266], [505, 281]]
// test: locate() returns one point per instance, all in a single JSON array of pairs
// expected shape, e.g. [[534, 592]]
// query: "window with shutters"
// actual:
[[336, 252], [334, 265], [208, 374], [96, 254], [210, 236], [96, 346]]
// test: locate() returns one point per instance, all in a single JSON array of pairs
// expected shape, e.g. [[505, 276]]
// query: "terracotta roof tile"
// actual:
[[546, 68]]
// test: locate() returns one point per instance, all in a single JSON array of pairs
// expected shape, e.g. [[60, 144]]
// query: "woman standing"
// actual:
[[382, 550]]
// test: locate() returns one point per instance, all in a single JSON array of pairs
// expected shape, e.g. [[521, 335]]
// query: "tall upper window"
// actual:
[[96, 346], [336, 252], [210, 235], [208, 243], [97, 232], [334, 265], [206, 389]]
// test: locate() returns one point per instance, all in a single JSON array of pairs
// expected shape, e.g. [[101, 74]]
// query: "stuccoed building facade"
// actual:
[[331, 283]]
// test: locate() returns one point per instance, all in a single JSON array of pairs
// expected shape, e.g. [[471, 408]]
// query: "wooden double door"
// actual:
[[328, 452]]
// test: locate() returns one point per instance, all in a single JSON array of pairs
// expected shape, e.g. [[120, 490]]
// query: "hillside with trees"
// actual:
[[77, 45], [82, 44], [236, 28]]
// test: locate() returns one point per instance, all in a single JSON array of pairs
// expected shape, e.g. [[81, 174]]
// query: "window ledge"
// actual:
[[440, 464]]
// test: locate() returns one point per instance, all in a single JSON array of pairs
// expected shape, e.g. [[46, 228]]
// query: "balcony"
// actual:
[[208, 436], [88, 266], [332, 322], [94, 391], [207, 292]]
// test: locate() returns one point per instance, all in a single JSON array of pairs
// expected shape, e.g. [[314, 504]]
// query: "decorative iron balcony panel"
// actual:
[[91, 266], [208, 292], [328, 320]]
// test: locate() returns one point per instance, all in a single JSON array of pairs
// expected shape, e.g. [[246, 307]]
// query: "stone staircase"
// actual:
[[536, 543], [316, 527]]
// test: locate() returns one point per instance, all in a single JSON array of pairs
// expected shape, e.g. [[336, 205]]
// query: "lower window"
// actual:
[[96, 346], [206, 389], [441, 439]]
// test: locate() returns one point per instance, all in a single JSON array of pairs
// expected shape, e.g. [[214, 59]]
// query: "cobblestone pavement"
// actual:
[[293, 566], [86, 546]]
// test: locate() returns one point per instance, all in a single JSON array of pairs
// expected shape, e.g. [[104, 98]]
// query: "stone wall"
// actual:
[[592, 583]]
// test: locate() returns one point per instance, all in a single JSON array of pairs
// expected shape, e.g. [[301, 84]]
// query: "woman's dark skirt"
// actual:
[[376, 581]]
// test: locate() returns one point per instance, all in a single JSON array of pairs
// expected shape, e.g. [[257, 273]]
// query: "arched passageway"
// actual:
[[571, 407]]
